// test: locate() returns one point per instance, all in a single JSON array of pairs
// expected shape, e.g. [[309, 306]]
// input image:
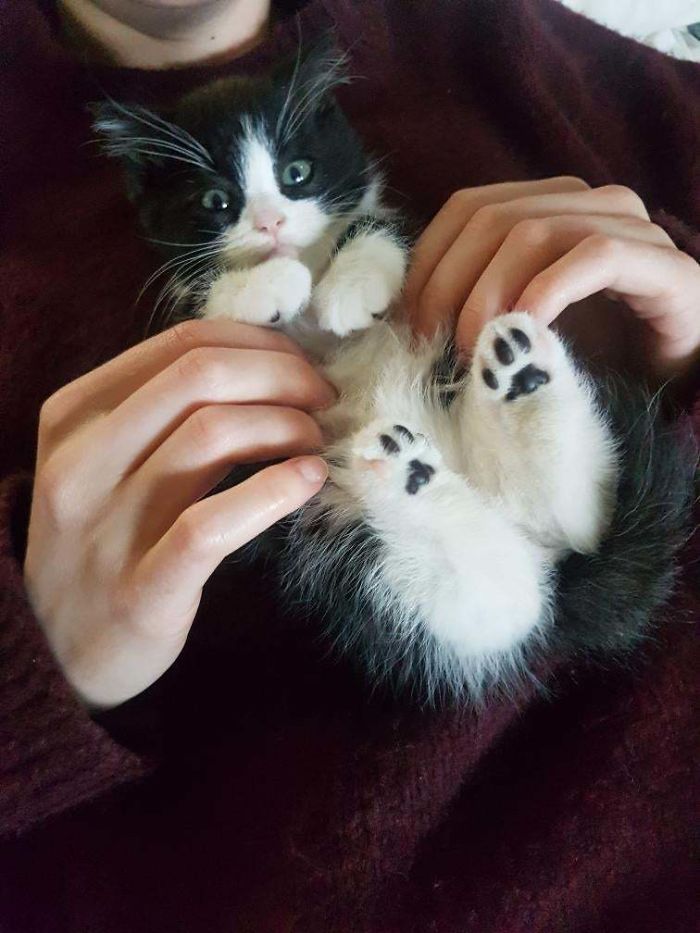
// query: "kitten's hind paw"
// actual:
[[515, 356], [395, 454]]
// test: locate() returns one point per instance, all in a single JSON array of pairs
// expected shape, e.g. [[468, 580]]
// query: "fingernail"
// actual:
[[313, 469]]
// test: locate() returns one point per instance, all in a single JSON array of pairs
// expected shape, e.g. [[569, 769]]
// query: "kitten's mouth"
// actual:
[[257, 254], [284, 249]]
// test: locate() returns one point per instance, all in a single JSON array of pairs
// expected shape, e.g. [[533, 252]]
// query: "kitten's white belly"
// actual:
[[473, 502]]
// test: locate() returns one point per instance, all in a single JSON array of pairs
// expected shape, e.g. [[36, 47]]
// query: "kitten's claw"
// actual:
[[514, 357]]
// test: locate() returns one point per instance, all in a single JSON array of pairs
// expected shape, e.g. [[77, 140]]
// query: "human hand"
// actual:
[[540, 246], [120, 539]]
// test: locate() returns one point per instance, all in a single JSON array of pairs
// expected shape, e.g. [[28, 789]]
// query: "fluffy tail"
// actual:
[[606, 602]]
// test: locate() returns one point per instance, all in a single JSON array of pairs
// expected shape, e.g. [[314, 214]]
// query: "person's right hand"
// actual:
[[120, 539]]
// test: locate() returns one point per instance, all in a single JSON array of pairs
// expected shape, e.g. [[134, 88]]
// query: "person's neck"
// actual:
[[142, 34]]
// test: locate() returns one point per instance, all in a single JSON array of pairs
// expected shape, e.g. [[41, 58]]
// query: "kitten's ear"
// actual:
[[122, 133], [143, 139], [120, 128], [314, 74]]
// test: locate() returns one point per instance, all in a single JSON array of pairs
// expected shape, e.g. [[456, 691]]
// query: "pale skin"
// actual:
[[121, 540], [540, 246]]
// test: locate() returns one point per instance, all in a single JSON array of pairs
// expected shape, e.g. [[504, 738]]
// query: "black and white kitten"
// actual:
[[261, 195], [470, 524]]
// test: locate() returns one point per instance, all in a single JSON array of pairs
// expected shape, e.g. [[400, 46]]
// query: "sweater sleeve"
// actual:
[[52, 755]]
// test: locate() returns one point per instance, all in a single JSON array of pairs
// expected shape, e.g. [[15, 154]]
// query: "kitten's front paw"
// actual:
[[514, 356], [273, 292], [395, 455], [364, 279]]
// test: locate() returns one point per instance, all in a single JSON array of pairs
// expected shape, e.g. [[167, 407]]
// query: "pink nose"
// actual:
[[267, 220]]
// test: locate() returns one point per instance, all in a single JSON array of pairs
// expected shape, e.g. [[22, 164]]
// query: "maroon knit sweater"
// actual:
[[257, 787]]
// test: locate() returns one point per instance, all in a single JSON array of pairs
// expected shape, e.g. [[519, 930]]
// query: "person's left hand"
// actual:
[[540, 246]]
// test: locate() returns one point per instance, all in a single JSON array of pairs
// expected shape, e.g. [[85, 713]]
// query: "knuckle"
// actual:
[[184, 336], [201, 366], [296, 426], [688, 265], [49, 414], [628, 200], [460, 198], [487, 216], [55, 408], [573, 182], [210, 427], [190, 538], [602, 248], [533, 231], [57, 493], [123, 603], [658, 231]]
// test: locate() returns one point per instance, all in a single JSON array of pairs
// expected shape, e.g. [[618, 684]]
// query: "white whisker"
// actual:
[[156, 122]]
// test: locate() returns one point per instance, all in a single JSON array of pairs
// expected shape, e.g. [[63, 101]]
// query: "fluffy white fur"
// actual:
[[466, 557], [360, 284]]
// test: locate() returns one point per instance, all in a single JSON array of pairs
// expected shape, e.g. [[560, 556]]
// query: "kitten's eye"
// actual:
[[297, 173], [215, 200]]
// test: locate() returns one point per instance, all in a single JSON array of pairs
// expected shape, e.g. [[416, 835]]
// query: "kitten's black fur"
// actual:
[[172, 156]]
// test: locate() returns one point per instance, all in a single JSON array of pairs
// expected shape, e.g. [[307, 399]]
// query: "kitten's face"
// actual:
[[251, 168]]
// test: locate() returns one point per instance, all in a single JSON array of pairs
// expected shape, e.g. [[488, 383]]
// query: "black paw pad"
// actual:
[[521, 338], [389, 444], [489, 378], [419, 474], [526, 381], [504, 354]]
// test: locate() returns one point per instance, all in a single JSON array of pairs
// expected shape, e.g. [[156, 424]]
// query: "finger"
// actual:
[[206, 376], [102, 389], [201, 452], [451, 219], [661, 285], [460, 268], [530, 247], [177, 567]]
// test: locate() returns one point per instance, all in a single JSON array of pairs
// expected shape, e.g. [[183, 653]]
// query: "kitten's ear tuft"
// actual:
[[144, 139], [324, 65], [310, 79], [121, 133], [120, 128]]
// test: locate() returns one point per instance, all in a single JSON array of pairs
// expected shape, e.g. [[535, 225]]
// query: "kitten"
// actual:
[[473, 526], [263, 199]]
